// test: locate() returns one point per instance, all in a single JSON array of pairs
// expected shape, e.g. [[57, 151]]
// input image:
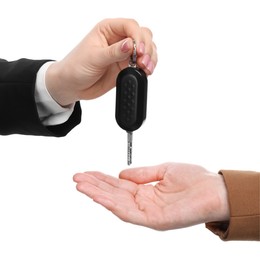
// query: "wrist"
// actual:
[[224, 199], [222, 212], [57, 85]]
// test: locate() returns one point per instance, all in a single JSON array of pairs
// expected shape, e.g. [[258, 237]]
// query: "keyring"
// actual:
[[133, 57]]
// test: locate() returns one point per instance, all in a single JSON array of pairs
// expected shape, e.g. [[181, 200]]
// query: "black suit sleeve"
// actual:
[[18, 111]]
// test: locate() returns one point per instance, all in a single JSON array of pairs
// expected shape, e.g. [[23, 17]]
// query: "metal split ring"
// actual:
[[133, 57]]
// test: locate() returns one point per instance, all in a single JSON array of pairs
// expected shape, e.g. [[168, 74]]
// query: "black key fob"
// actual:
[[131, 98]]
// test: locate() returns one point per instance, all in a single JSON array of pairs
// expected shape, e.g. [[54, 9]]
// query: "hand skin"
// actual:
[[91, 68], [163, 197]]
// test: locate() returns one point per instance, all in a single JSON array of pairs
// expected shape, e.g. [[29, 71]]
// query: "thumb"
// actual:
[[142, 175], [119, 51]]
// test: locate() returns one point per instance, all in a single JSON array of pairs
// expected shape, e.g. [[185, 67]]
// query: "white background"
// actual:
[[203, 108]]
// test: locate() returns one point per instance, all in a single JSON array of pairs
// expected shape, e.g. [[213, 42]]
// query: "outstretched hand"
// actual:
[[163, 197], [91, 68]]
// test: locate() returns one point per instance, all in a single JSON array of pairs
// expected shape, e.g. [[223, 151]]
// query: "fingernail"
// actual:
[[141, 48], [146, 60], [150, 67], [125, 46]]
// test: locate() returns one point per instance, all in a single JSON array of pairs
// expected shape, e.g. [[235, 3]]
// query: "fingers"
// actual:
[[101, 192], [144, 175], [92, 183], [115, 29], [118, 51], [147, 51], [122, 50], [114, 194], [120, 33], [88, 185]]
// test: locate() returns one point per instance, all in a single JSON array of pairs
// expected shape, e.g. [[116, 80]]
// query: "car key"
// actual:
[[131, 100]]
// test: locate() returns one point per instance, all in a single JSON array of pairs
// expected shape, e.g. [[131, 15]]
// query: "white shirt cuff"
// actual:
[[50, 112]]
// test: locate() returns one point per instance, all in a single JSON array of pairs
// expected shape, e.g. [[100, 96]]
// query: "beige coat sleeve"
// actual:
[[244, 200]]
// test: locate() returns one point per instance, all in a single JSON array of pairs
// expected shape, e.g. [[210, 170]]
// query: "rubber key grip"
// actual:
[[131, 98]]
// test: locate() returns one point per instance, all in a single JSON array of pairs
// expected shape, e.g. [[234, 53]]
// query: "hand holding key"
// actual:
[[131, 100], [91, 68]]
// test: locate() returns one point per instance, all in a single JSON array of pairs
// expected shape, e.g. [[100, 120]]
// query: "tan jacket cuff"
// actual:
[[244, 201]]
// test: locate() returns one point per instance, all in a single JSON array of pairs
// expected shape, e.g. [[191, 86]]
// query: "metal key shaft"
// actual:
[[129, 147]]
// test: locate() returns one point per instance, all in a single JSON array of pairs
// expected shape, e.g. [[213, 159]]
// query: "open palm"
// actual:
[[167, 196]]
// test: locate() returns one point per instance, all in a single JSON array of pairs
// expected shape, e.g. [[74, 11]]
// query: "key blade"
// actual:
[[129, 147]]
